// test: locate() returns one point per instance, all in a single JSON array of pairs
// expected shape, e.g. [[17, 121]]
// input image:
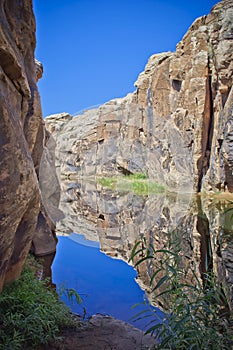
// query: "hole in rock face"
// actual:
[[101, 216], [176, 84], [124, 171]]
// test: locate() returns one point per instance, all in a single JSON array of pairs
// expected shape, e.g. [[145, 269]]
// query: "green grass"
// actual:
[[138, 176], [109, 182], [136, 183], [31, 314]]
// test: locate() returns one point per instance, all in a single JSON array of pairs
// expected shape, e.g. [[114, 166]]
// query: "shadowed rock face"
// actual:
[[22, 136], [176, 126]]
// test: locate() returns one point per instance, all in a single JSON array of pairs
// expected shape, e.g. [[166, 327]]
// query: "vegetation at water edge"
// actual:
[[31, 313], [137, 183], [197, 316]]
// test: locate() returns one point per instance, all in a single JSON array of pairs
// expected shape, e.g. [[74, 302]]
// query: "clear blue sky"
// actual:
[[93, 50]]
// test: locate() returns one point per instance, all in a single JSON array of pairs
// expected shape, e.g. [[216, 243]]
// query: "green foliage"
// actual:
[[30, 314], [137, 183], [138, 176], [70, 293], [197, 317], [146, 187], [107, 181]]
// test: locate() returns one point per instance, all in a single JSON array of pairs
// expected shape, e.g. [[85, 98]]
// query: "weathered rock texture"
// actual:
[[22, 136], [177, 126], [103, 333]]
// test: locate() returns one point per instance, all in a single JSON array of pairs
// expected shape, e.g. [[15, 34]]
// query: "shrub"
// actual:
[[30, 313]]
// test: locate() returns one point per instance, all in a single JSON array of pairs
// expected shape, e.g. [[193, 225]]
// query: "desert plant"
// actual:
[[197, 316]]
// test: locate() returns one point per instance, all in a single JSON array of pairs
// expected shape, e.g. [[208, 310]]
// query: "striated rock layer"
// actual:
[[177, 126], [22, 137]]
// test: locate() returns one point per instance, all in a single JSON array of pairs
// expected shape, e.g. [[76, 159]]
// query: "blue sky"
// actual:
[[92, 51]]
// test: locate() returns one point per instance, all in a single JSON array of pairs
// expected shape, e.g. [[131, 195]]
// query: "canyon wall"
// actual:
[[24, 224], [177, 127]]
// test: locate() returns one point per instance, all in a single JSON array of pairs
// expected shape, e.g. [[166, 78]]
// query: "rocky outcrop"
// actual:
[[103, 333], [22, 137], [176, 126]]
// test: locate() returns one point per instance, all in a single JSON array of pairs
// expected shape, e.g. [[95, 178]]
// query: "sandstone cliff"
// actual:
[[177, 126], [22, 136]]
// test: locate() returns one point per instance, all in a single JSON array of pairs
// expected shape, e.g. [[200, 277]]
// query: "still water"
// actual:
[[106, 285], [100, 228]]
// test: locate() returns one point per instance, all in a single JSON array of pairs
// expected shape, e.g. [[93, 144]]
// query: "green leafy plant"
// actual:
[[31, 314], [70, 293], [196, 316]]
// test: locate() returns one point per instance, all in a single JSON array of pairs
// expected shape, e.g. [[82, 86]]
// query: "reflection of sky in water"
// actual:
[[106, 285]]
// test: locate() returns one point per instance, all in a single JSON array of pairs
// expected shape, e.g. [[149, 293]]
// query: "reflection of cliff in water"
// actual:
[[117, 219]]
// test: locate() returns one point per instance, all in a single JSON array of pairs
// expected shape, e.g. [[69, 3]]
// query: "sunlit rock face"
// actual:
[[22, 136], [176, 126]]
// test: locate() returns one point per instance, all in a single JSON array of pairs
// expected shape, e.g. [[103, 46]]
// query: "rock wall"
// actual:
[[177, 126], [22, 137]]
